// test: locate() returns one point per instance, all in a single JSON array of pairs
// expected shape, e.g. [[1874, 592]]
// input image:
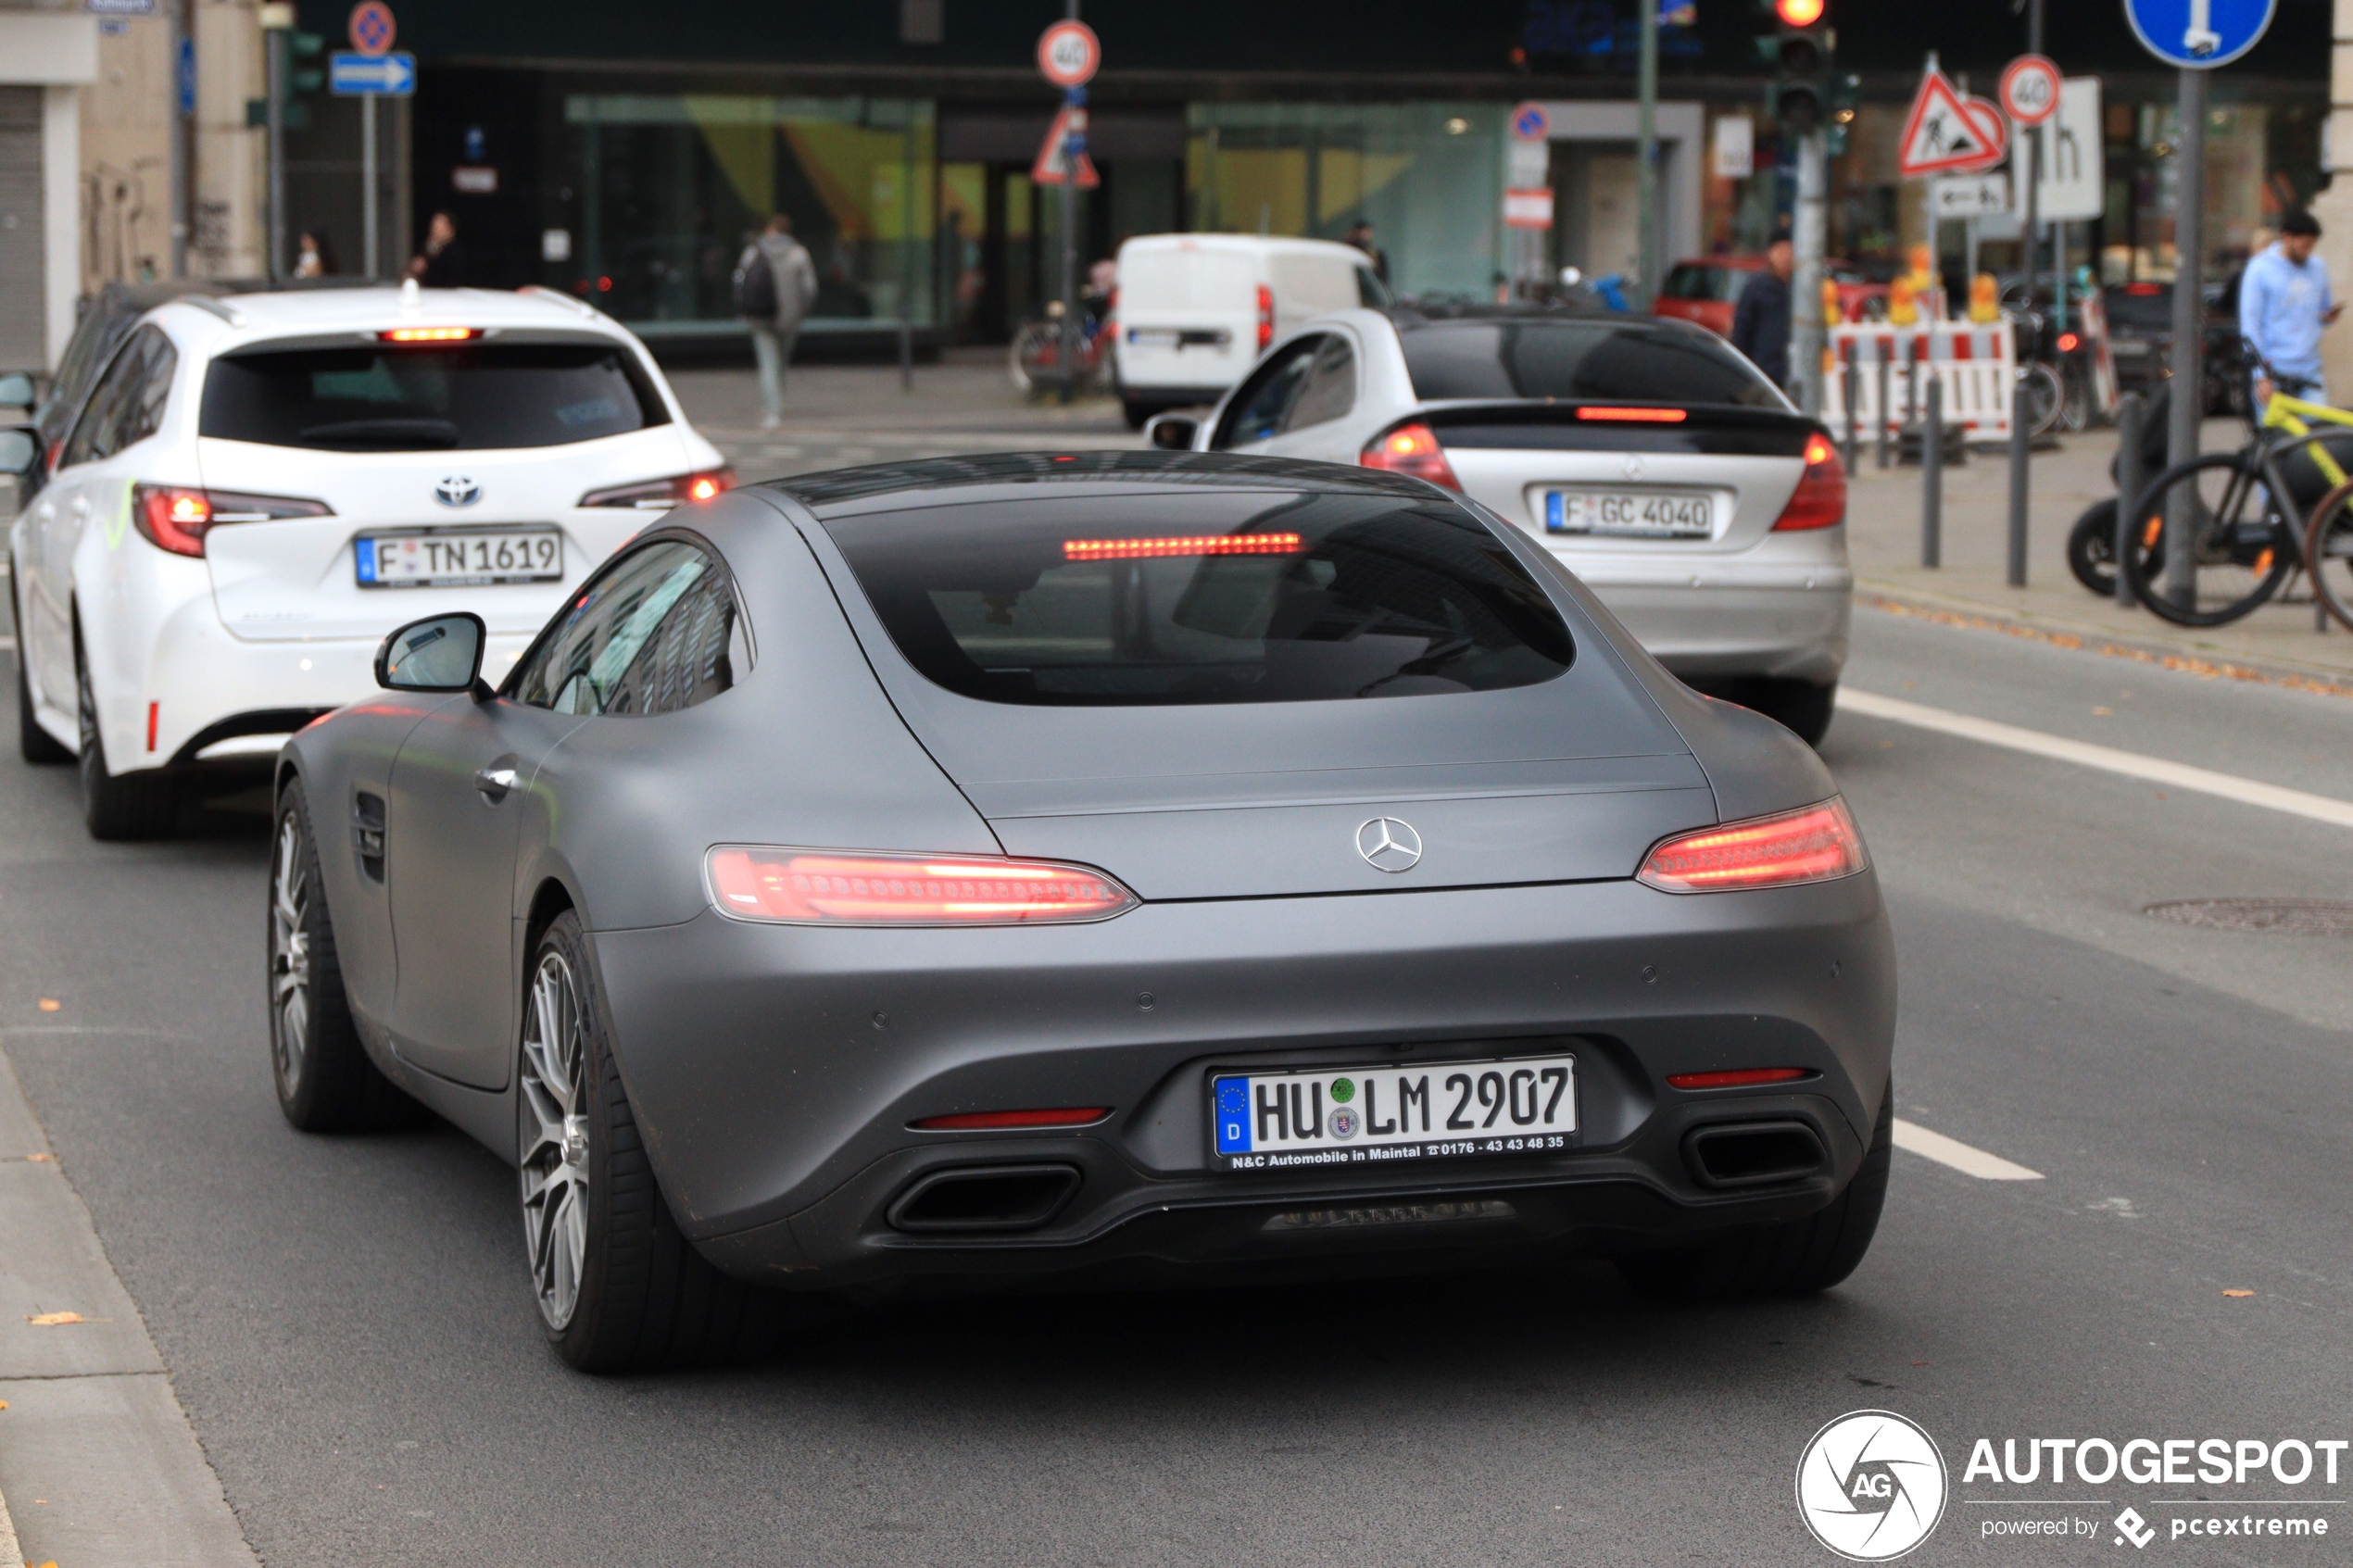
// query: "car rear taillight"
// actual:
[[1411, 448], [1636, 415], [2069, 343], [1004, 1120], [429, 334], [175, 517], [817, 888], [661, 494], [1820, 500], [1812, 844], [1265, 316], [1738, 1078]]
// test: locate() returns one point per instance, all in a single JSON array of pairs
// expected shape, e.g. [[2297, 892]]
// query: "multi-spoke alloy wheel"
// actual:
[[289, 955], [555, 1139]]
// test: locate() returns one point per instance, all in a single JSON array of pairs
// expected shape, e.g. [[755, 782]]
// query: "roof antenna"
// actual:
[[410, 296]]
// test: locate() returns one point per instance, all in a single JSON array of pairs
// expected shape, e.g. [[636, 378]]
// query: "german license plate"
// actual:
[[452, 559], [1368, 1115], [1630, 514]]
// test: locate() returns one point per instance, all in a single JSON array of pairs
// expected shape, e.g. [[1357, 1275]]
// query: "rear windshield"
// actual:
[[1171, 279], [397, 399], [1703, 282], [1633, 361], [1246, 596]]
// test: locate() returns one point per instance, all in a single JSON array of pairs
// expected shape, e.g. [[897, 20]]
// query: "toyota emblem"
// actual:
[[1388, 845], [458, 490]]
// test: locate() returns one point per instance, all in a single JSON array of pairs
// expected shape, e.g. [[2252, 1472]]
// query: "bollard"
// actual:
[[1912, 379], [2130, 411], [1853, 387], [2020, 441], [1932, 477], [1886, 368], [906, 355]]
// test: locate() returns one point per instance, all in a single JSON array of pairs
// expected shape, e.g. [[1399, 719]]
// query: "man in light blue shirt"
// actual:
[[2283, 305]]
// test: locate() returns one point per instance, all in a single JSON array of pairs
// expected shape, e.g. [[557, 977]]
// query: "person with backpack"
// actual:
[[775, 284]]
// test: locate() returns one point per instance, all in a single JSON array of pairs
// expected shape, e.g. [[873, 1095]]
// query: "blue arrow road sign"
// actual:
[[2198, 34], [391, 76]]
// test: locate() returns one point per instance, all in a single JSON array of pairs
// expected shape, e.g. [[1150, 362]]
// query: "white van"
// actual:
[[1196, 311]]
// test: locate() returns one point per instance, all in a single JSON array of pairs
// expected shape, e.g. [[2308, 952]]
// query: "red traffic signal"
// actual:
[[1798, 13]]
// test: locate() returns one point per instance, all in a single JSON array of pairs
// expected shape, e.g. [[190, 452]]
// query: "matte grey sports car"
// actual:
[[1091, 866]]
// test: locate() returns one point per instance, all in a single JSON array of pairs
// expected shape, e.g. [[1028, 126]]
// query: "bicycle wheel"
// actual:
[[2328, 552], [2045, 398], [1035, 360], [2242, 547], [2091, 549]]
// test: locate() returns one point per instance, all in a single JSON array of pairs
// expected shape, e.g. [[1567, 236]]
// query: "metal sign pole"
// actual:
[[2021, 438], [1646, 184], [1806, 335], [2189, 252], [276, 270], [370, 216]]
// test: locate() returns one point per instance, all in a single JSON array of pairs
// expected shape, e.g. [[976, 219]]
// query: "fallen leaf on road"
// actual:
[[53, 1320], [2238, 1293], [50, 1004], [43, 1158]]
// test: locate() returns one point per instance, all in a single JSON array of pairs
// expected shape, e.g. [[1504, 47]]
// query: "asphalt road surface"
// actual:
[[347, 1323]]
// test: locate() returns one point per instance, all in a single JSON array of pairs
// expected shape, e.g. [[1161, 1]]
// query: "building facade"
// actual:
[[623, 152]]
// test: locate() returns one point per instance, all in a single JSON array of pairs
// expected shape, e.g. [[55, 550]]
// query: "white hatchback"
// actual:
[[259, 488]]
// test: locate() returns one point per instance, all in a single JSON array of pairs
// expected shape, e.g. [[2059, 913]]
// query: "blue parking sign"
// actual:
[[2198, 34]]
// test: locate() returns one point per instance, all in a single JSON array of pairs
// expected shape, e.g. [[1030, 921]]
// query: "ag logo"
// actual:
[[1871, 1485]]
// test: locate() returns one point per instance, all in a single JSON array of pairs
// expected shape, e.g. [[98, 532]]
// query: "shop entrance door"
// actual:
[[1597, 226]]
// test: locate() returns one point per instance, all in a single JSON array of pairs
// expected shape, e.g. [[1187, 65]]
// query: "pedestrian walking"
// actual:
[[2283, 307], [1760, 322], [775, 284], [1360, 234]]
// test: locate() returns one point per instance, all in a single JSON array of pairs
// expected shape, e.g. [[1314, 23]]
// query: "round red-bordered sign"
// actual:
[[2030, 90], [1068, 54], [372, 26]]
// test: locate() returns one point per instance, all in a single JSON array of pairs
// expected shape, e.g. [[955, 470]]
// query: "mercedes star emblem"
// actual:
[[1633, 465], [1388, 845], [458, 490]]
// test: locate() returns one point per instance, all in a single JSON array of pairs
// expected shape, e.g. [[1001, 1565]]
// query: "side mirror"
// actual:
[[1171, 433], [16, 390], [442, 653], [19, 450]]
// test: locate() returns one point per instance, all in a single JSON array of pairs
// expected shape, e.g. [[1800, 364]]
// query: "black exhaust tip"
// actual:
[[984, 1198], [1741, 1154]]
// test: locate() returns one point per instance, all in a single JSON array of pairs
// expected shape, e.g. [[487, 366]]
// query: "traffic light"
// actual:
[[1846, 101], [1799, 51], [306, 74]]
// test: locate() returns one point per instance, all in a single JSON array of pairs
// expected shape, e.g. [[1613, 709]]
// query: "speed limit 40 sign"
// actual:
[[1068, 54], [2030, 90]]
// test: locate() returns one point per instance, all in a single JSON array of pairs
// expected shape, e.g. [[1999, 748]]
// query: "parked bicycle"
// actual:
[[2245, 511], [1035, 360]]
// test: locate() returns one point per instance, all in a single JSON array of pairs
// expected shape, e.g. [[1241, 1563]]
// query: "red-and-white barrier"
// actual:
[[1977, 364]]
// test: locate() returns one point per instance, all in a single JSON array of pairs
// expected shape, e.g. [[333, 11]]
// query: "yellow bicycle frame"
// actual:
[[2289, 414]]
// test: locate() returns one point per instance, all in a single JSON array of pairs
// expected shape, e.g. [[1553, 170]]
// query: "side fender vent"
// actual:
[[368, 834]]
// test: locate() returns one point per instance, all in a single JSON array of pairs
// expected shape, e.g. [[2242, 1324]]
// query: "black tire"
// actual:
[[1800, 707], [117, 806], [2244, 548], [2045, 398], [1780, 1257], [34, 744], [2328, 552], [325, 1082], [640, 1296], [2091, 550]]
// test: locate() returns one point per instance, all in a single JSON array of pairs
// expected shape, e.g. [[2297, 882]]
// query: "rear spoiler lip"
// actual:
[[1721, 428], [1563, 411]]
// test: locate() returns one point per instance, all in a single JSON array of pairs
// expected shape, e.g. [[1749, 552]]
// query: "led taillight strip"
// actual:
[[1189, 544], [816, 887], [1636, 415], [1813, 844]]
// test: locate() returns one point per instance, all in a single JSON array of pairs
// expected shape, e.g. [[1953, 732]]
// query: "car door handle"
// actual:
[[494, 783]]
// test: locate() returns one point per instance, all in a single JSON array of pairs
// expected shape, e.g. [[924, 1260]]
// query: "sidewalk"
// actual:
[[2277, 643], [99, 1466]]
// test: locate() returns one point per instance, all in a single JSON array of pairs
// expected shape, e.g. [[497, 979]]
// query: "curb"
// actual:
[[10, 1553], [2058, 631]]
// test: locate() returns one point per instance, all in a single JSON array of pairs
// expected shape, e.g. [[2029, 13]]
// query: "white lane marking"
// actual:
[[8, 645], [1959, 1156], [2132, 764]]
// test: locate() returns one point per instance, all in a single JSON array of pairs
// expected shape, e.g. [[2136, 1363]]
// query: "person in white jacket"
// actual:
[[773, 306]]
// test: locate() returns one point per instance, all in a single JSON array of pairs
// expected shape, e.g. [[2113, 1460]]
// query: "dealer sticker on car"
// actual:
[[452, 560], [1360, 1115]]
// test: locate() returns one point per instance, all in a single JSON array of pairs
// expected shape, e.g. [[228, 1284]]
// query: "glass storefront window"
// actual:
[[1428, 177], [671, 186]]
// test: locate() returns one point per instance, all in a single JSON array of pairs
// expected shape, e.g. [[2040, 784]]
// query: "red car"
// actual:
[[1707, 291]]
